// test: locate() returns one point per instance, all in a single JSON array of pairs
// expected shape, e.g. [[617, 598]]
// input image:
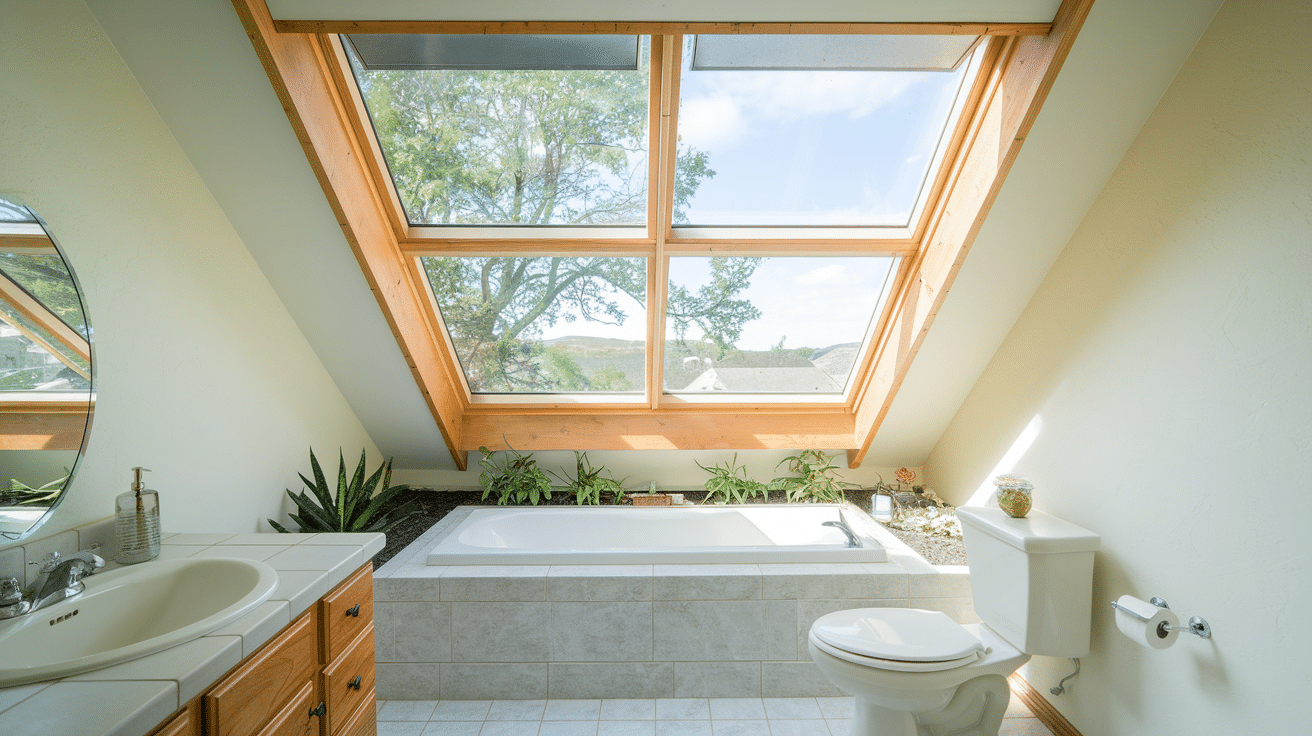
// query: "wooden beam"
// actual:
[[37, 312], [305, 86], [744, 430], [1017, 92], [632, 28]]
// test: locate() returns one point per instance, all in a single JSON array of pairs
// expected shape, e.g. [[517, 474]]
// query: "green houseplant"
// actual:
[[730, 483], [515, 480], [353, 507], [588, 486], [814, 479]]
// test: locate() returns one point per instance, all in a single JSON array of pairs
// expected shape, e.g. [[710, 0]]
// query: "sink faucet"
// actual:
[[841, 525], [59, 578]]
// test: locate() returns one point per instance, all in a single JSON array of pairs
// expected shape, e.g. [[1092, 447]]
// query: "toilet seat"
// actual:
[[898, 639]]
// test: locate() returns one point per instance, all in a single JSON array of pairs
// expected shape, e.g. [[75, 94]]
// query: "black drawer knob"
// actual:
[[319, 710], [355, 683], [354, 611]]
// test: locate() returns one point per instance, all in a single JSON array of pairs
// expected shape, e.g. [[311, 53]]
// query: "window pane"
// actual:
[[831, 147], [513, 147], [46, 279], [27, 365], [545, 325], [788, 325]]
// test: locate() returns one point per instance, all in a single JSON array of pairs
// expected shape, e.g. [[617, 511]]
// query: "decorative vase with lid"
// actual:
[[1014, 494]]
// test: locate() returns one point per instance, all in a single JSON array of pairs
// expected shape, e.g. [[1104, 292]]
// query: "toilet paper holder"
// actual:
[[1197, 625]]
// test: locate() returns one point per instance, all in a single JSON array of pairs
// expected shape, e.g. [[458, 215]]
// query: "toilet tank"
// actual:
[[1031, 578]]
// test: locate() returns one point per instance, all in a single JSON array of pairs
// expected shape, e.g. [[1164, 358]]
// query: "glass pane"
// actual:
[[545, 325], [28, 365], [46, 279], [513, 147], [809, 147], [788, 325], [14, 212]]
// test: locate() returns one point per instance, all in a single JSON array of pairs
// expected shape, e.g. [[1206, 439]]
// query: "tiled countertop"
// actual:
[[131, 698]]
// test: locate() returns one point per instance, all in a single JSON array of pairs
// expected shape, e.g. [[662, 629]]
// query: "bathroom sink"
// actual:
[[131, 612]]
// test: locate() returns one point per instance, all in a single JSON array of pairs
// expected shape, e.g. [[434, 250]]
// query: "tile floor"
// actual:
[[662, 717]]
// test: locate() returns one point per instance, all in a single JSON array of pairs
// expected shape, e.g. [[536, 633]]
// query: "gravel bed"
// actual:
[[434, 505]]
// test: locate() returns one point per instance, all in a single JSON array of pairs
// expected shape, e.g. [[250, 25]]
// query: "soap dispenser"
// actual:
[[137, 522]]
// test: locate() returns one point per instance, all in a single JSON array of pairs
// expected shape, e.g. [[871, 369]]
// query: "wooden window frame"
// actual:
[[307, 68]]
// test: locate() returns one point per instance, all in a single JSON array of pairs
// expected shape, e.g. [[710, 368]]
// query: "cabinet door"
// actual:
[[185, 723], [250, 696], [364, 722], [346, 611], [300, 717], [349, 680]]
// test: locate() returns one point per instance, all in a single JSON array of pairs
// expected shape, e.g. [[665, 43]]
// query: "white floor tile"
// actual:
[[683, 709], [516, 710], [798, 727], [628, 710], [839, 726], [740, 728], [572, 710], [510, 728], [406, 710], [451, 728], [626, 728], [461, 710], [568, 728], [836, 707], [737, 709], [791, 708], [402, 728], [683, 728]]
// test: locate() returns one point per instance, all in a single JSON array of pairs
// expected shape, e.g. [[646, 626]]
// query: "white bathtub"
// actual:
[[591, 535]]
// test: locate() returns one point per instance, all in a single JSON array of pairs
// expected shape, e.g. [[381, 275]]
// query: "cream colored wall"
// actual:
[[1164, 372], [202, 375]]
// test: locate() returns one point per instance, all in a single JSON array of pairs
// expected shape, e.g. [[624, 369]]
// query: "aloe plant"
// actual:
[[354, 507], [514, 481], [815, 480], [588, 485], [20, 493], [731, 484]]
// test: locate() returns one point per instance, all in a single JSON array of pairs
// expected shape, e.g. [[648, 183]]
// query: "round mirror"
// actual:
[[47, 392]]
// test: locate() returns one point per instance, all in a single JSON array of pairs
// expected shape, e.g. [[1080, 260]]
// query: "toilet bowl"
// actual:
[[915, 673]]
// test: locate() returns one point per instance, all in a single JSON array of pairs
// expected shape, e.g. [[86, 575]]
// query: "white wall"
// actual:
[[1164, 371], [201, 373]]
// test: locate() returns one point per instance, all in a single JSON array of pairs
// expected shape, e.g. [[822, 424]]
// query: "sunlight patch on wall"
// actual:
[[1008, 462]]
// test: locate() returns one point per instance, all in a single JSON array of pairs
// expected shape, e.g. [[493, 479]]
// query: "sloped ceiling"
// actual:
[[196, 65]]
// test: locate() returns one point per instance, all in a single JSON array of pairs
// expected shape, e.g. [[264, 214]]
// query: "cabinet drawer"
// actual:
[[349, 680], [184, 723], [364, 722], [346, 611], [258, 690], [299, 718]]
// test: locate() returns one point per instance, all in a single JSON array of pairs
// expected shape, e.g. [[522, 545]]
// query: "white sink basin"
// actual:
[[131, 612]]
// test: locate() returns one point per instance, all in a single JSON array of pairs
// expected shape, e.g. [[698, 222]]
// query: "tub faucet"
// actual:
[[841, 525], [60, 578]]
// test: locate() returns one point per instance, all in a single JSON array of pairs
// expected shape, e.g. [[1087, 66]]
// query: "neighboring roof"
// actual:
[[799, 380]]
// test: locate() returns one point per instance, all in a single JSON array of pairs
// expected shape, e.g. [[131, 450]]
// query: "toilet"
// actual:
[[919, 673]]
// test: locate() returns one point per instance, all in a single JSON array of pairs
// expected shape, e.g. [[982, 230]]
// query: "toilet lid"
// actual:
[[898, 634]]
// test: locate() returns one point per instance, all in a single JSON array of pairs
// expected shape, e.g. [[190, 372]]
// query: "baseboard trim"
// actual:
[[1040, 707]]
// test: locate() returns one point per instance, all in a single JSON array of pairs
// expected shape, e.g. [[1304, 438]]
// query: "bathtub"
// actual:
[[591, 535]]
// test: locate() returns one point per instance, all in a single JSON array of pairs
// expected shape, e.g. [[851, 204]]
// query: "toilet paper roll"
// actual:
[[1148, 633]]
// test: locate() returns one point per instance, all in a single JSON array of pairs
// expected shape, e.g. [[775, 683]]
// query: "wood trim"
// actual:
[[301, 77], [1027, 72], [17, 297], [657, 27], [745, 430], [28, 244], [659, 270], [528, 247], [43, 425], [1040, 707]]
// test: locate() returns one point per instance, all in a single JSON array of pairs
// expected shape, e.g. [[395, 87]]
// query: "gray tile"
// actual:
[[683, 728], [717, 679], [795, 679], [406, 710], [628, 709], [516, 710], [741, 728], [407, 588], [501, 632], [626, 728], [510, 728], [568, 728], [810, 727], [599, 583], [572, 710], [832, 708], [412, 632], [402, 728], [601, 632], [461, 710], [780, 631], [406, 681], [683, 709], [736, 709], [699, 631], [494, 583], [488, 681], [830, 581], [960, 609], [706, 582], [449, 728], [612, 679], [941, 582], [791, 708]]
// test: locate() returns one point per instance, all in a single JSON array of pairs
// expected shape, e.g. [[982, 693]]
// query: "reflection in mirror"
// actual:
[[47, 393]]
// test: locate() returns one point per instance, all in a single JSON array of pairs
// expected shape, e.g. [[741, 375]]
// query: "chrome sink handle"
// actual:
[[61, 577], [11, 599]]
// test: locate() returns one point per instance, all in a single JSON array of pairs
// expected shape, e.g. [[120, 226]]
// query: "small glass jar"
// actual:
[[1014, 495]]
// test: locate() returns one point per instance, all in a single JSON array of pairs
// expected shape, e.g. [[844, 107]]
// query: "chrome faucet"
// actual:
[[59, 578], [841, 525]]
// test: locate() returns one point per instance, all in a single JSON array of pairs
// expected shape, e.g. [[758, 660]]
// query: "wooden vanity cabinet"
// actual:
[[315, 678]]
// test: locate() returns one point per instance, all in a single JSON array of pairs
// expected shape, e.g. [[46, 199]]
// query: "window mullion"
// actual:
[[662, 191]]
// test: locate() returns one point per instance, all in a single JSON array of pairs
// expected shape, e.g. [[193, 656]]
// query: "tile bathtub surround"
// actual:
[[130, 698], [627, 631], [805, 716]]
